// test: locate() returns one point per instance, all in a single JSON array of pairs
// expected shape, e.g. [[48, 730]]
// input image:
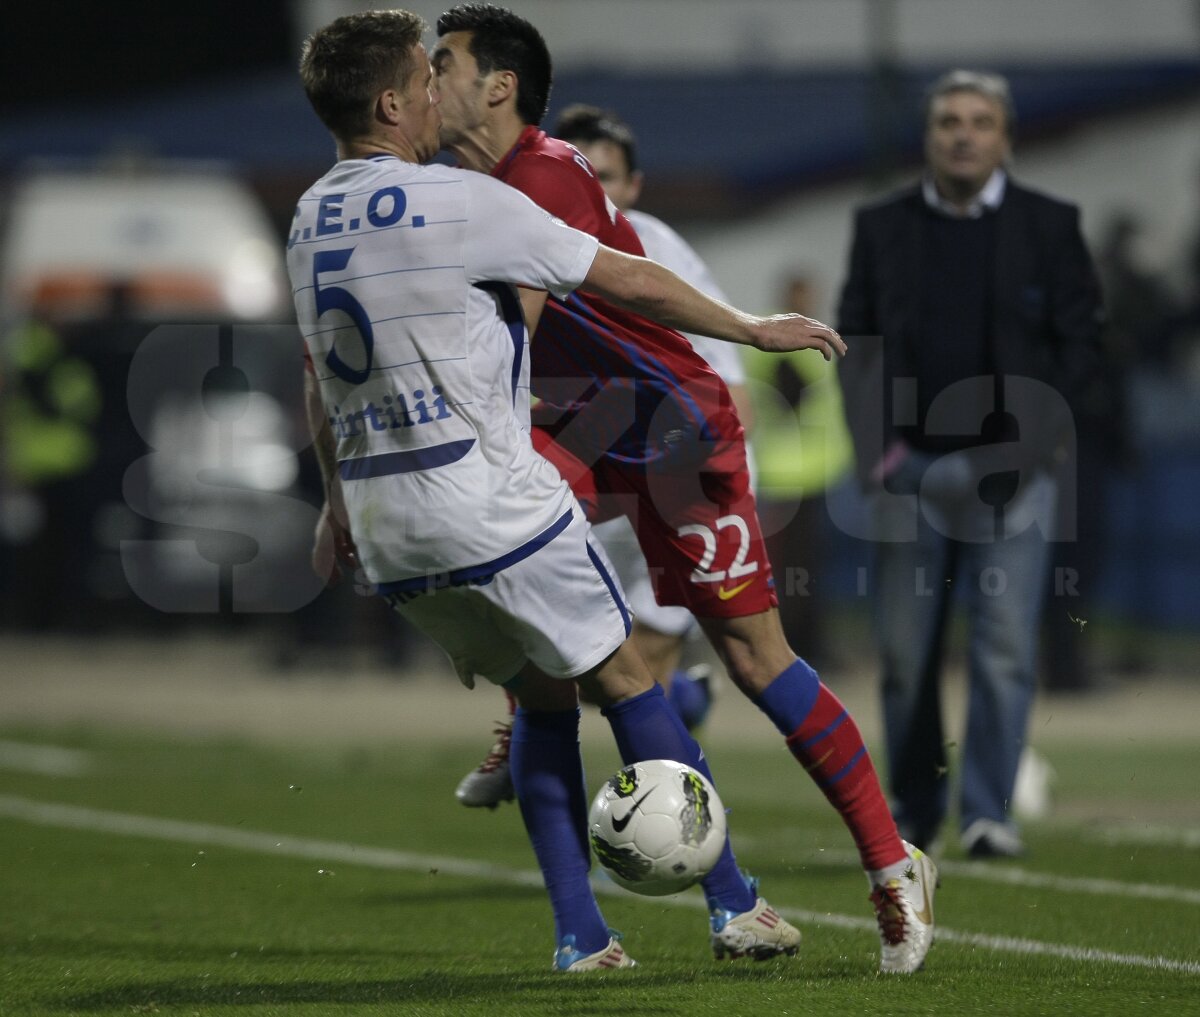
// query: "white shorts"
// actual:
[[561, 608], [621, 543]]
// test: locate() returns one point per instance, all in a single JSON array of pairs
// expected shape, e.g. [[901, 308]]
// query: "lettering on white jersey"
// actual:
[[403, 280], [395, 412]]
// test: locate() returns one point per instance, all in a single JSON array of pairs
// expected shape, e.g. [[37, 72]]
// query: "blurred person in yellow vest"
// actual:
[[49, 402], [803, 449]]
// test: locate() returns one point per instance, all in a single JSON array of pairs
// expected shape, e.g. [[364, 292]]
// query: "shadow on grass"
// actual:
[[67, 949], [543, 993], [446, 890]]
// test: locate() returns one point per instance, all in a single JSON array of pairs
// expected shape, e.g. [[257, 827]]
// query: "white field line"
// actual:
[[125, 824], [1149, 836], [47, 760], [1012, 875]]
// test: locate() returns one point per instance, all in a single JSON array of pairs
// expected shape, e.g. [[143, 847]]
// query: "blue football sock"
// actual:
[[645, 727], [789, 699], [547, 775], [689, 698]]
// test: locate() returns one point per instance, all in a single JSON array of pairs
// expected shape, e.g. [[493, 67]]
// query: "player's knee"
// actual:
[[753, 649], [620, 677], [535, 690]]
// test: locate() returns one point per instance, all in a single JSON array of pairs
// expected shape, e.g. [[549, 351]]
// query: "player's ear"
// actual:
[[387, 106], [501, 87]]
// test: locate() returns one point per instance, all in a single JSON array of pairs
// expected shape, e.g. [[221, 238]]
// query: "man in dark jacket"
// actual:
[[977, 315]]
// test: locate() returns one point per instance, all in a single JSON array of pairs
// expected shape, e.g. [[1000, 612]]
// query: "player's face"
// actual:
[[460, 86], [965, 141], [420, 119], [608, 160]]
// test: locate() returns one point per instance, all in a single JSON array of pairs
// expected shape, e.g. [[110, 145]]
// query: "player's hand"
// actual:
[[782, 333], [333, 553]]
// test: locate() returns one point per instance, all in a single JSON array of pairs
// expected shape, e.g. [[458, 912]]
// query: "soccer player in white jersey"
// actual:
[[403, 281], [659, 631]]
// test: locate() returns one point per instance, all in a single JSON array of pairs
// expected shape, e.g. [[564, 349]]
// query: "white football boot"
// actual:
[[490, 783], [567, 958], [904, 910], [760, 933]]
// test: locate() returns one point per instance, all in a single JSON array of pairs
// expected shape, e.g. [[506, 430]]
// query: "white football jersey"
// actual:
[[403, 278], [664, 245]]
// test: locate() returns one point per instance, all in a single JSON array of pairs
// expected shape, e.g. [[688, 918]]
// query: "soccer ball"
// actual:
[[657, 827]]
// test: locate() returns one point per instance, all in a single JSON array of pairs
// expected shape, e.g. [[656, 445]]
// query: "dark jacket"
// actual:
[[1045, 319]]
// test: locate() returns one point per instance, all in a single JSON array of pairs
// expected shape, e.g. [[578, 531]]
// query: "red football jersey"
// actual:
[[646, 390], [634, 419]]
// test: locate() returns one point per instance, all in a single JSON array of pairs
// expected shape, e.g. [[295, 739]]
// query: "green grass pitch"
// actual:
[[230, 878]]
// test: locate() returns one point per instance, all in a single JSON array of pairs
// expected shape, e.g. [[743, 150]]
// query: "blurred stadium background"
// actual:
[[155, 478]]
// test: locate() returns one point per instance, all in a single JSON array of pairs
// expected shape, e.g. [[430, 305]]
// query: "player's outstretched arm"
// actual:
[[655, 292]]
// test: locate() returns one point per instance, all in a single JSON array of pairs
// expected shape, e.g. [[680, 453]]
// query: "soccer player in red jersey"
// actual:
[[638, 423]]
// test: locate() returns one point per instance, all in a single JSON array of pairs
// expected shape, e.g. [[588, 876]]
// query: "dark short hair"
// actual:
[[990, 86], [345, 65], [504, 41], [585, 124]]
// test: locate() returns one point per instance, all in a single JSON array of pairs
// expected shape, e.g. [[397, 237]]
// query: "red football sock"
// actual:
[[830, 747]]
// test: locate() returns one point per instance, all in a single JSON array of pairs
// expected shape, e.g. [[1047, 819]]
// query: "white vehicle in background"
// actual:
[[185, 240], [169, 281]]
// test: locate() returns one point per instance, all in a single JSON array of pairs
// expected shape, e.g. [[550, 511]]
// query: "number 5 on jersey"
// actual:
[[337, 298]]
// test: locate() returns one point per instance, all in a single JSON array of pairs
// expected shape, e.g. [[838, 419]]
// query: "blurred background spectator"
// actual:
[[51, 407], [802, 449]]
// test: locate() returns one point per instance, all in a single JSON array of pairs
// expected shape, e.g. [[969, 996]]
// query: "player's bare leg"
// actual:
[[753, 648], [661, 651], [688, 692], [690, 695]]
